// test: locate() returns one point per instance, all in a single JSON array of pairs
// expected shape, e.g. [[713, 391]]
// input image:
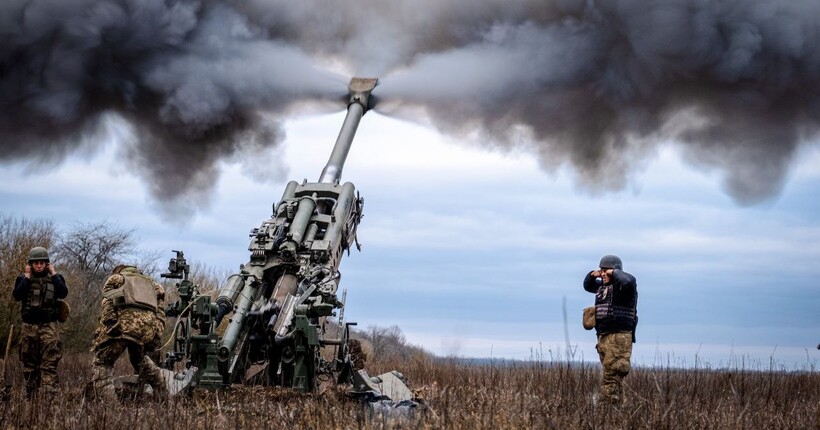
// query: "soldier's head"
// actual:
[[38, 259], [611, 262]]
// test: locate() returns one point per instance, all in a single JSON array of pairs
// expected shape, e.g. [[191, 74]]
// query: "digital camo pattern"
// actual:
[[615, 352], [40, 353], [139, 325], [129, 329]]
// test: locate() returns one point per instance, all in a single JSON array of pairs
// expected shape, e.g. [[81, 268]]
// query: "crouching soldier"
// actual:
[[132, 318], [39, 289]]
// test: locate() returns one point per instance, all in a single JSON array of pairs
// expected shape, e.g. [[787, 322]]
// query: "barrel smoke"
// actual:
[[600, 85], [592, 85]]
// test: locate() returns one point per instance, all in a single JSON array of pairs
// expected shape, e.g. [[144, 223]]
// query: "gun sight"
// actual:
[[178, 267]]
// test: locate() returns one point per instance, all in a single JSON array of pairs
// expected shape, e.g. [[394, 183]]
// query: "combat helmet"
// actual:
[[611, 262], [38, 253]]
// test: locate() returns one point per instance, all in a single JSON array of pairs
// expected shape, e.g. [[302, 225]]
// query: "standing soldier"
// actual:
[[39, 288], [616, 315], [132, 318]]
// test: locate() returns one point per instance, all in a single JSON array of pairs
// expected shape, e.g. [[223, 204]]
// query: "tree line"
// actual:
[[86, 253]]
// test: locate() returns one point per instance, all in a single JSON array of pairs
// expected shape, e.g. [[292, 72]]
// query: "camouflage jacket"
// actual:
[[139, 325]]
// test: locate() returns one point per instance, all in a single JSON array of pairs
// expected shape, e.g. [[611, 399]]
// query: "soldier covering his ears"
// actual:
[[616, 316], [39, 290]]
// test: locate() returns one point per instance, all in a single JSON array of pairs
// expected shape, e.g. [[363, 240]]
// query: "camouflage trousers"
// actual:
[[107, 353], [615, 351], [40, 353]]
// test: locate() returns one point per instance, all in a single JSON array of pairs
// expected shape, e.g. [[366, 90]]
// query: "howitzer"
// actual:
[[277, 304]]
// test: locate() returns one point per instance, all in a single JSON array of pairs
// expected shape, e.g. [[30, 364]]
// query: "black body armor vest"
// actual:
[[40, 304]]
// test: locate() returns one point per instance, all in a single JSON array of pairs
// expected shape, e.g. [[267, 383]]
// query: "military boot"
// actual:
[[32, 379], [103, 379], [151, 374]]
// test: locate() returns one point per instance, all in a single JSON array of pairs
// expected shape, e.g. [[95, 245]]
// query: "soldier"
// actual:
[[616, 315], [132, 318], [39, 288]]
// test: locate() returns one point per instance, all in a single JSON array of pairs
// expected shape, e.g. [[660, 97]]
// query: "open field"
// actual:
[[497, 396]]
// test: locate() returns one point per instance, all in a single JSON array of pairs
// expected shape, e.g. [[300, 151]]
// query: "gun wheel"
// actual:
[[181, 337], [357, 356]]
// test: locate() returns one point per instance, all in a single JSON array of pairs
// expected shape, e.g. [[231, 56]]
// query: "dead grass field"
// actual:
[[492, 396]]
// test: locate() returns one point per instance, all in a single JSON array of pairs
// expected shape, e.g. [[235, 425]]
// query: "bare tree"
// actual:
[[386, 341], [94, 249], [86, 254]]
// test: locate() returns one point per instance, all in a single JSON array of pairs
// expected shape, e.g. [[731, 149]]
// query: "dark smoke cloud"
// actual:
[[594, 85], [600, 84], [197, 82]]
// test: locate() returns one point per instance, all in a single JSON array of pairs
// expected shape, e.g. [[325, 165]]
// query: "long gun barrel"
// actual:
[[360, 89], [278, 301]]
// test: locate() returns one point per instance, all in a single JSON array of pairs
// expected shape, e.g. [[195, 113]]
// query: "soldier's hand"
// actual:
[[606, 275], [595, 273], [51, 270], [27, 271]]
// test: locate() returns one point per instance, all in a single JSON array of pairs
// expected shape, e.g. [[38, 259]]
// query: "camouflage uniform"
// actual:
[[128, 328], [40, 345], [615, 352]]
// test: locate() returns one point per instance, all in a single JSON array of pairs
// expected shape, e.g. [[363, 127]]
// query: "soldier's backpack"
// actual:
[[136, 292], [64, 311], [589, 318]]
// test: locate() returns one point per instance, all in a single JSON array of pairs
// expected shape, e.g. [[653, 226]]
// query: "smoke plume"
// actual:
[[197, 82], [599, 85], [595, 85]]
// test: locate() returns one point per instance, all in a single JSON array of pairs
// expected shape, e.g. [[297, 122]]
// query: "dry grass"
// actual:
[[496, 396]]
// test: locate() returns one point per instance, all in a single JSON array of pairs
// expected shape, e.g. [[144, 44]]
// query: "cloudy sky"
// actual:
[[510, 147]]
